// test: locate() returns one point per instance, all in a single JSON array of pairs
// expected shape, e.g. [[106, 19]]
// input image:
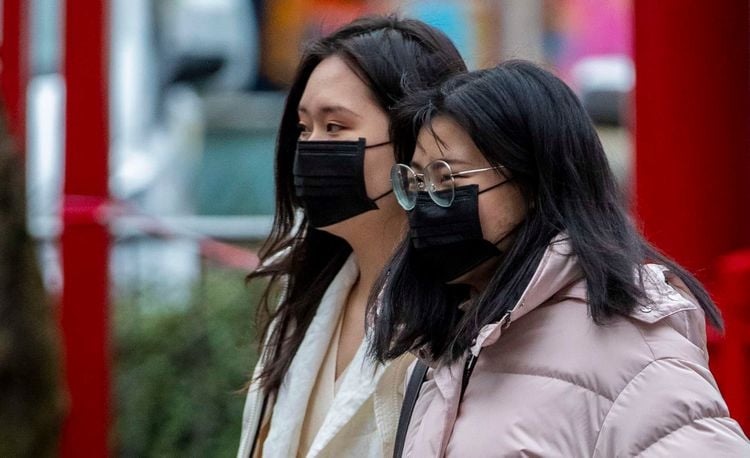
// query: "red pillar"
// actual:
[[85, 238], [14, 66], [692, 59], [733, 364]]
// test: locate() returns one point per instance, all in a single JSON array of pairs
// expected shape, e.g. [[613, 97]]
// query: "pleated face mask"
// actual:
[[329, 179], [448, 241]]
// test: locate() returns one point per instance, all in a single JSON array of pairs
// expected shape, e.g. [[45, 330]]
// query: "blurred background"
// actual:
[[145, 131]]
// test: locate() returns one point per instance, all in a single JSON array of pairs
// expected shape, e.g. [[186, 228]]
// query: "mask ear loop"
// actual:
[[390, 190], [382, 195], [495, 186], [512, 231], [377, 144]]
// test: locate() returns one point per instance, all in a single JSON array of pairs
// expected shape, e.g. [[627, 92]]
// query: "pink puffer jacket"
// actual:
[[550, 382]]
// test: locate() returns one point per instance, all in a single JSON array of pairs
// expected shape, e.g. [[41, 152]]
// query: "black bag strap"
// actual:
[[407, 408], [412, 393]]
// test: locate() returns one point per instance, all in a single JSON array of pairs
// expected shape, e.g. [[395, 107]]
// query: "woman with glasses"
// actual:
[[544, 323], [314, 392]]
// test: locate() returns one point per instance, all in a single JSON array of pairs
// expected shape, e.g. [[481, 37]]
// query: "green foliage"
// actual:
[[179, 370], [32, 404]]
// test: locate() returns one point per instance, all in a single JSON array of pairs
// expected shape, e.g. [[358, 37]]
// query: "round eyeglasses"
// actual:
[[437, 180]]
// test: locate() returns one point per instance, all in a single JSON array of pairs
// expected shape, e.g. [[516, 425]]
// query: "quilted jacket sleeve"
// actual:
[[710, 436], [671, 408]]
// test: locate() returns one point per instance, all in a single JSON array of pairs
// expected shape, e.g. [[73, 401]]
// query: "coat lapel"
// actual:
[[294, 393], [360, 381]]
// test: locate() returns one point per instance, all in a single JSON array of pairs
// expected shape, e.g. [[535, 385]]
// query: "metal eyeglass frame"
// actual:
[[421, 182]]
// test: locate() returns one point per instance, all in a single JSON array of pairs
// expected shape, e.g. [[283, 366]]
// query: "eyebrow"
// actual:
[[329, 109]]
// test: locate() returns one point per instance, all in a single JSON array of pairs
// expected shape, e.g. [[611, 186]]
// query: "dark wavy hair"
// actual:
[[527, 120], [389, 55]]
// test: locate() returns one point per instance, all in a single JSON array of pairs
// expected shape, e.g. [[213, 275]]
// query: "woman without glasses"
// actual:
[[314, 393], [549, 325]]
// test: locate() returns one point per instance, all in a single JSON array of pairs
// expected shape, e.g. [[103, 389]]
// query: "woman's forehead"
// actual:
[[444, 139], [333, 86]]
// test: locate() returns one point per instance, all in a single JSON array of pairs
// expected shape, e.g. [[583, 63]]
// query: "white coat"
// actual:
[[364, 414]]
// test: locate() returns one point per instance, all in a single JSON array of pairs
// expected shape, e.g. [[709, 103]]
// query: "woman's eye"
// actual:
[[303, 132], [333, 128]]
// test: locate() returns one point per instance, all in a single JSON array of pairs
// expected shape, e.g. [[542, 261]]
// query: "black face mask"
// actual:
[[329, 179], [448, 241]]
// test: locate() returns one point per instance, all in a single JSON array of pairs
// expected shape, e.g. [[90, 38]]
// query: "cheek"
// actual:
[[378, 162], [500, 212], [490, 217]]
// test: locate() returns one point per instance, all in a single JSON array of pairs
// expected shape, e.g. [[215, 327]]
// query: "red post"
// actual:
[[692, 61], [733, 292], [85, 238], [14, 66]]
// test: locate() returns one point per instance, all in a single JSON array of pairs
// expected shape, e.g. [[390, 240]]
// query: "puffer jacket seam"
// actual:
[[665, 435], [558, 379], [648, 345], [623, 390], [686, 336]]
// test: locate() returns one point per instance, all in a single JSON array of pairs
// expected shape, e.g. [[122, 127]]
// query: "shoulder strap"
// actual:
[[407, 408]]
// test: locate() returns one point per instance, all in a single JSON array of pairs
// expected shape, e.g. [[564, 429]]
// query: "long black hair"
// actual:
[[389, 55], [527, 120]]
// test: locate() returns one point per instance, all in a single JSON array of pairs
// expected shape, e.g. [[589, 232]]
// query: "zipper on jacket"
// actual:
[[471, 361]]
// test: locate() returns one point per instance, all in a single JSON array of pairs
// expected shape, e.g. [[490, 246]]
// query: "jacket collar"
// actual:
[[558, 275], [299, 381], [359, 383]]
